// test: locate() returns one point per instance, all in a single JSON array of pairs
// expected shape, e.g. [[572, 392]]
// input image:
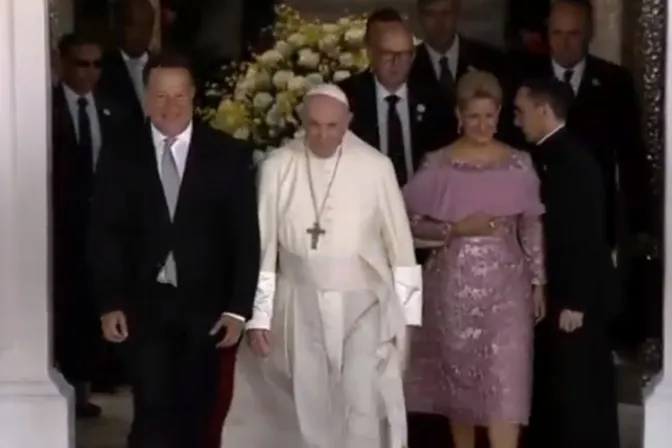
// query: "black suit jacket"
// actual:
[[115, 82], [432, 125], [605, 115], [473, 55], [214, 235], [71, 189], [579, 266]]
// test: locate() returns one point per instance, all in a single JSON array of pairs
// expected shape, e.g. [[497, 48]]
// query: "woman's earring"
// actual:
[[459, 127]]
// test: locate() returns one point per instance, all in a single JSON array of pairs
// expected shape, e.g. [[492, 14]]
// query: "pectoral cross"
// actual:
[[315, 233]]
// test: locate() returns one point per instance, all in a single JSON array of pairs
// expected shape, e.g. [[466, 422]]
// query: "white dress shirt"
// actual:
[[404, 116], [72, 99], [180, 151], [452, 54], [180, 148], [135, 67], [577, 75]]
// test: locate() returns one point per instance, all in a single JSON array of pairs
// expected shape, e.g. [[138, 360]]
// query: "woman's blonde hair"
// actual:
[[478, 84]]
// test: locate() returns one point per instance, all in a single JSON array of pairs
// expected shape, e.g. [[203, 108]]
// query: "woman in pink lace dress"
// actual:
[[478, 201]]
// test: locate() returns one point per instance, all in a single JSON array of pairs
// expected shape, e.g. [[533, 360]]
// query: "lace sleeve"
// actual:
[[428, 229], [532, 242]]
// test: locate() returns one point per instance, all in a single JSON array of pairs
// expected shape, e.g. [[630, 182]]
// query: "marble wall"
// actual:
[[607, 42]]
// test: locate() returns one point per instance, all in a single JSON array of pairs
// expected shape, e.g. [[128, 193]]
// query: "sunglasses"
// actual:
[[83, 63]]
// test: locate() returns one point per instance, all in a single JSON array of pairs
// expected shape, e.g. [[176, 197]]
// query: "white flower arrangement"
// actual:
[[262, 100]]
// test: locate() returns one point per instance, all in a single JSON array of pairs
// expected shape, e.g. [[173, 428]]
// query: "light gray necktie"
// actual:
[[170, 179]]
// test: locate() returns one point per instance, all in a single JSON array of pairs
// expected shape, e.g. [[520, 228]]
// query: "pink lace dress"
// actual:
[[472, 359]]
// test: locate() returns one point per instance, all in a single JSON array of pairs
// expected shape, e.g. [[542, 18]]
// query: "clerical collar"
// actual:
[[557, 129], [143, 58]]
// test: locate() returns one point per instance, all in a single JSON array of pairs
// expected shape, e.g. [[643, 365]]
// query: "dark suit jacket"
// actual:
[[71, 189], [579, 267], [115, 82], [473, 55], [606, 116], [214, 235], [431, 129]]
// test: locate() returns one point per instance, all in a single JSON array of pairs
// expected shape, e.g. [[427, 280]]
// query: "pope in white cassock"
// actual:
[[338, 285]]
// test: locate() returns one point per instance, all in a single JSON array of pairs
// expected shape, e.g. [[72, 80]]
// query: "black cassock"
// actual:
[[574, 403]]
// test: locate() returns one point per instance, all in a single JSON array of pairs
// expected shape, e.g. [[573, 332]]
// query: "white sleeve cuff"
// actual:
[[408, 286], [262, 310]]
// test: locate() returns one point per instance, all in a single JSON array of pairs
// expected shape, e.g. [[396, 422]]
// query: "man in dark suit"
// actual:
[[574, 394], [604, 114], [175, 253], [133, 22], [82, 120], [444, 56], [400, 118]]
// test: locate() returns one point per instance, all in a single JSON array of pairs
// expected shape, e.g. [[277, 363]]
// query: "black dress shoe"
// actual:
[[87, 411]]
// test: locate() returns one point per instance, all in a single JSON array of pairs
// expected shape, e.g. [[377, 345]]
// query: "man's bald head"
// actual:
[[570, 27], [391, 55], [326, 118]]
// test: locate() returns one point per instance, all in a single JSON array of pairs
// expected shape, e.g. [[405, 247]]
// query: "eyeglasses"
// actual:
[[396, 56], [84, 63]]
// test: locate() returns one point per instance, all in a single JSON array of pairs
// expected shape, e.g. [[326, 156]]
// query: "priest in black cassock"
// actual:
[[574, 403]]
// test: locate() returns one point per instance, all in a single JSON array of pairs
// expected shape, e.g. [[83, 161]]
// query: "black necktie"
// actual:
[[567, 78], [395, 139], [446, 79], [85, 142]]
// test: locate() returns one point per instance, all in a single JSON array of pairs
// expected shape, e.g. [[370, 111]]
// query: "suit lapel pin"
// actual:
[[595, 82], [419, 112], [106, 112]]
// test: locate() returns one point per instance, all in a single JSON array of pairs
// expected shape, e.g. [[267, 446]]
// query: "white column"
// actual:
[[658, 400], [34, 404], [607, 39]]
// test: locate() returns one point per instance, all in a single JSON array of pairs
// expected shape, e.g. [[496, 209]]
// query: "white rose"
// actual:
[[240, 94], [346, 59], [344, 21], [242, 133], [262, 100], [274, 118], [328, 43], [248, 83], [308, 58], [262, 81], [270, 58], [340, 75], [280, 79], [354, 36], [283, 48], [330, 28], [296, 40], [313, 80], [296, 83]]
